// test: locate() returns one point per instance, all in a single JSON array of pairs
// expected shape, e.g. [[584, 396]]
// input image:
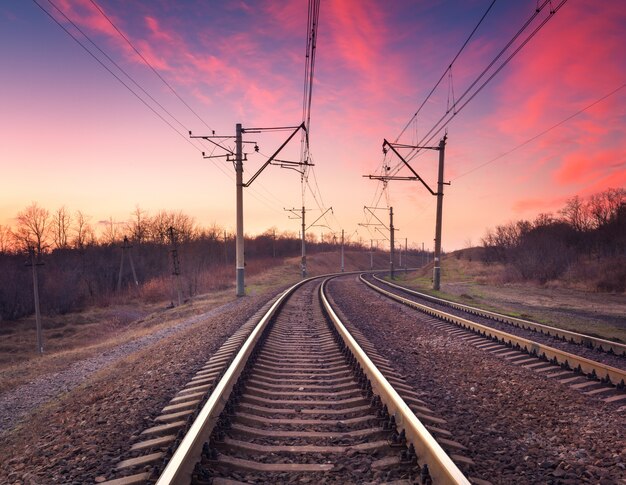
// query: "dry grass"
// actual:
[[76, 336], [565, 304]]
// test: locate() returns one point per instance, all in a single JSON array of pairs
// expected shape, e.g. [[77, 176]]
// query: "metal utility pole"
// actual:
[[342, 266], [303, 249], [406, 254], [301, 214], [176, 264], [240, 262], [126, 250], [274, 243], [391, 243], [239, 158], [440, 183], [34, 264], [371, 254]]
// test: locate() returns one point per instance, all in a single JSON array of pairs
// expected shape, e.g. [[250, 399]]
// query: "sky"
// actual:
[[71, 134]]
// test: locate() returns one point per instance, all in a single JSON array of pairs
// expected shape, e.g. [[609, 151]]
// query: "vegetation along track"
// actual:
[[302, 402], [548, 347]]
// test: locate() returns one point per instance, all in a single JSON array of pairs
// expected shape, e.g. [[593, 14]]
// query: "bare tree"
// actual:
[[576, 214], [6, 239], [604, 206], [33, 226], [159, 225], [60, 228], [111, 233], [83, 231], [139, 225]]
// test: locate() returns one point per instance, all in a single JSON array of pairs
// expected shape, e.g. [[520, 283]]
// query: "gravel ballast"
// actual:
[[519, 426], [80, 421]]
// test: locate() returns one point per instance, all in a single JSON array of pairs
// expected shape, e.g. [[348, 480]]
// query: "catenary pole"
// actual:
[[342, 266], [440, 184], [240, 263], [303, 262], [391, 239]]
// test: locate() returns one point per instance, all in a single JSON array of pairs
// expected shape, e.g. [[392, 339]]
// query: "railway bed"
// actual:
[[517, 425], [302, 401], [585, 345], [606, 369]]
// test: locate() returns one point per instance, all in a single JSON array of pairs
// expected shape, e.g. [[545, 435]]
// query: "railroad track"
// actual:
[[587, 341], [578, 362], [300, 400]]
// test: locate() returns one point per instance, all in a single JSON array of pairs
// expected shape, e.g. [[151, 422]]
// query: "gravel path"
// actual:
[[76, 436], [518, 426], [17, 403]]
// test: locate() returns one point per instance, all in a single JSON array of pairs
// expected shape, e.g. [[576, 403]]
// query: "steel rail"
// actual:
[[188, 453], [589, 367], [575, 337], [441, 468]]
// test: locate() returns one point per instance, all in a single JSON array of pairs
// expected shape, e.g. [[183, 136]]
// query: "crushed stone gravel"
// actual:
[[88, 414], [519, 427]]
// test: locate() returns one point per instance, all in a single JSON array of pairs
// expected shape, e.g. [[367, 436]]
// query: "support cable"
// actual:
[[148, 64]]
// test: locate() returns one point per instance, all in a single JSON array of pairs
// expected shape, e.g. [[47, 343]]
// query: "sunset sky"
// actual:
[[71, 134]]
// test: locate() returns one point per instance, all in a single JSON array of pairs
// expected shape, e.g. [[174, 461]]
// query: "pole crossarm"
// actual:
[[393, 146], [275, 154], [369, 209], [323, 214], [296, 212], [386, 178], [210, 138], [383, 234]]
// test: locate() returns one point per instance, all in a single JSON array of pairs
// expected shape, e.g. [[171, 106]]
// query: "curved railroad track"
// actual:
[[295, 398], [595, 366], [588, 341]]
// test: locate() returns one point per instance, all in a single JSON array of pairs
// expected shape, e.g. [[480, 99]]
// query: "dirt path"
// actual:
[[19, 402], [78, 435]]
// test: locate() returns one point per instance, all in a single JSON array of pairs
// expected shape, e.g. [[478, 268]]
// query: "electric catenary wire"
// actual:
[[544, 132], [383, 186], [129, 88], [148, 64], [448, 70], [436, 129]]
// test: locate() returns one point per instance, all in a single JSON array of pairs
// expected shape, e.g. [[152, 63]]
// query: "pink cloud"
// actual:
[[580, 167], [536, 205]]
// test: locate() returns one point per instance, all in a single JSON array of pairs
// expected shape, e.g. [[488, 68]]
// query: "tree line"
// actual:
[[82, 261], [584, 230]]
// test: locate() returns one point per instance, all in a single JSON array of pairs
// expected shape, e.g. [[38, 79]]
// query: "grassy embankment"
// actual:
[[563, 304], [75, 336]]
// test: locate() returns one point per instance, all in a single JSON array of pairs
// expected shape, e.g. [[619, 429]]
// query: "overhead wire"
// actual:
[[148, 64], [436, 129], [455, 109], [122, 70], [113, 73], [382, 185], [258, 195], [447, 70], [542, 133]]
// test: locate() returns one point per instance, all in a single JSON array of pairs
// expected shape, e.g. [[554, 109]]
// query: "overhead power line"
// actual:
[[544, 132], [454, 111], [133, 92], [77, 40], [448, 69], [148, 64]]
